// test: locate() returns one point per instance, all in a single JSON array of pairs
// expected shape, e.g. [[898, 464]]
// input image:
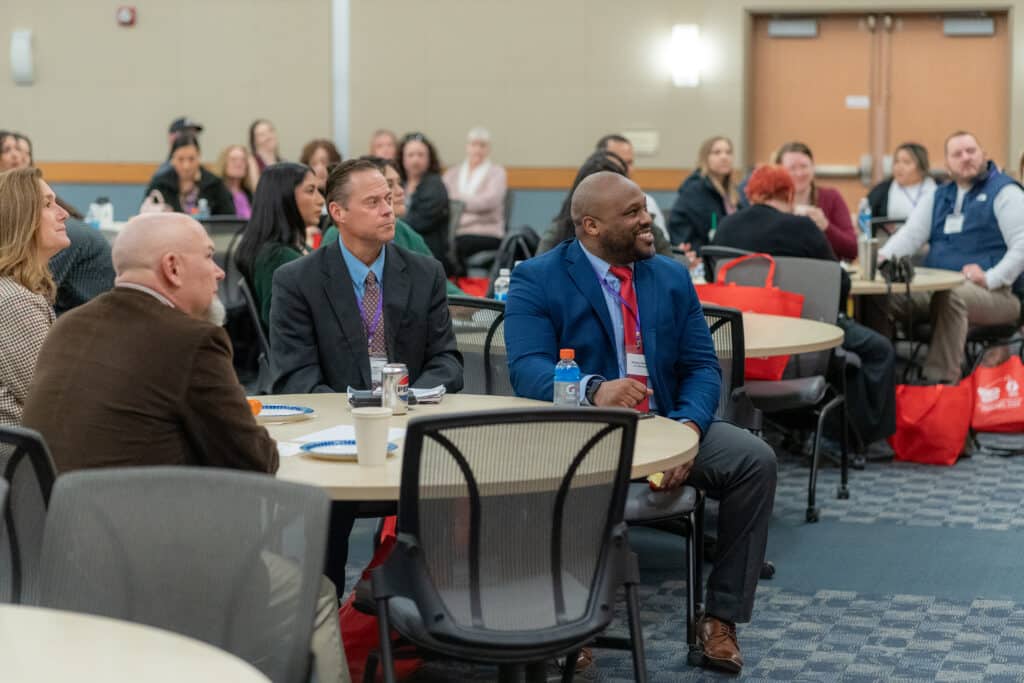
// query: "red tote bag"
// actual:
[[932, 422], [998, 403], [767, 299]]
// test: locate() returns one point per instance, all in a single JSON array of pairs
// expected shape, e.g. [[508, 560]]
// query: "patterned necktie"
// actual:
[[372, 320], [631, 335]]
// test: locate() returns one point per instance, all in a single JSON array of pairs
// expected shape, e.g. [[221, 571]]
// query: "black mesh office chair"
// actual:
[[479, 326], [511, 542]]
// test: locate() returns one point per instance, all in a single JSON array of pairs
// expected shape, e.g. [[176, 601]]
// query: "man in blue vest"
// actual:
[[975, 225]]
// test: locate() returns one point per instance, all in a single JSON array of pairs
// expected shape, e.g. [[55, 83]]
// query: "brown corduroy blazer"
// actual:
[[126, 380]]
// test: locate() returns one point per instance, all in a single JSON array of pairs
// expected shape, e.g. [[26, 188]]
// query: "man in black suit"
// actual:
[[339, 314]]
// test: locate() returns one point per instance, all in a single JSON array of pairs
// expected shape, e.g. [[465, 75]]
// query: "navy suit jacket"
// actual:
[[556, 301]]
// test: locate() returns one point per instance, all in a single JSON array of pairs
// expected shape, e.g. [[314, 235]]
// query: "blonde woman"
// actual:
[[706, 197], [31, 232], [233, 168]]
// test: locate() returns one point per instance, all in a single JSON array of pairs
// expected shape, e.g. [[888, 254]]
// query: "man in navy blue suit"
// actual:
[[640, 338]]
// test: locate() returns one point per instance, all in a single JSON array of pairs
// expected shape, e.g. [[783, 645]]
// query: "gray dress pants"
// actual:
[[738, 470]]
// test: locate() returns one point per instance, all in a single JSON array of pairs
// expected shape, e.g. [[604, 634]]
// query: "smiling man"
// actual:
[[639, 334], [973, 224]]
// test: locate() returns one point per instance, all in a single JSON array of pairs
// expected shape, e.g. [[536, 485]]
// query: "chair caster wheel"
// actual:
[[843, 493], [696, 656], [812, 515], [767, 570]]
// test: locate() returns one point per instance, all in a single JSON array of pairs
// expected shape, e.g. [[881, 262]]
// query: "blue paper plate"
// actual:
[[344, 449], [276, 412]]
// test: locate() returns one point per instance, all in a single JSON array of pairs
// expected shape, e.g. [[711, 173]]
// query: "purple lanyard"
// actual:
[[371, 326], [625, 304], [913, 200]]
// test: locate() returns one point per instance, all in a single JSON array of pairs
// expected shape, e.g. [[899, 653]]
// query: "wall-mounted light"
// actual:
[[686, 55], [21, 57]]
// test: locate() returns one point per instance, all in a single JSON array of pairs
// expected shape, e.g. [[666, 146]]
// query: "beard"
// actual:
[[623, 249], [216, 313]]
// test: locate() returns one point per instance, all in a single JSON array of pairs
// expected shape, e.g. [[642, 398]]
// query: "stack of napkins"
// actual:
[[432, 395]]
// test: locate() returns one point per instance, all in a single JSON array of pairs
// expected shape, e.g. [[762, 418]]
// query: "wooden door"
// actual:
[[815, 90], [940, 84]]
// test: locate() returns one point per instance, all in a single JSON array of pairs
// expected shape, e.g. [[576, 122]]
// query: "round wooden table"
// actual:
[[776, 335], [925, 280], [661, 443], [52, 645]]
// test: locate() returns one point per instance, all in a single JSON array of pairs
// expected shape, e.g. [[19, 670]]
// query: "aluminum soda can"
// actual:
[[395, 388]]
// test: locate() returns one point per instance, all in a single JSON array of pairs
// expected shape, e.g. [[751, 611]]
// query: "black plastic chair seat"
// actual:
[[787, 394], [988, 333], [644, 505]]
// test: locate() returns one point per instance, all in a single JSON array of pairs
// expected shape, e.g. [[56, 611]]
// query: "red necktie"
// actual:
[[630, 314]]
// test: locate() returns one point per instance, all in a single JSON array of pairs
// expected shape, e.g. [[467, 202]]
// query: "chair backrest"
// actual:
[[712, 255], [230, 558], [254, 314], [510, 200], [512, 514], [817, 280], [455, 209], [29, 470], [479, 326], [726, 326]]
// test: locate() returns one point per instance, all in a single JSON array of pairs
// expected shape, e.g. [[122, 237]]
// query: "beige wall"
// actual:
[[106, 93], [546, 77]]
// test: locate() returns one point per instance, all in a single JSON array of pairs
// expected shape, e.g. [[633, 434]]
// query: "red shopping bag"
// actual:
[[767, 299], [998, 403], [359, 630], [932, 422]]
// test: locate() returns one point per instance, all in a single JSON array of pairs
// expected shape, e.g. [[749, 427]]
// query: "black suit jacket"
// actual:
[[317, 338]]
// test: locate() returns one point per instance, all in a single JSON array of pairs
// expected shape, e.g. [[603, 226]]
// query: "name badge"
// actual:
[[636, 365], [377, 364], [954, 224]]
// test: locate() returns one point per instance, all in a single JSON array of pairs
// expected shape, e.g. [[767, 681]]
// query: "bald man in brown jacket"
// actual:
[[139, 375]]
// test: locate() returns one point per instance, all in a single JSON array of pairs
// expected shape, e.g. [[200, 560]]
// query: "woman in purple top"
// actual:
[[823, 205], [233, 168]]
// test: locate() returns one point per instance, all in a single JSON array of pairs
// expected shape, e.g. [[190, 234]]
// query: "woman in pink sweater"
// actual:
[[482, 186], [823, 205]]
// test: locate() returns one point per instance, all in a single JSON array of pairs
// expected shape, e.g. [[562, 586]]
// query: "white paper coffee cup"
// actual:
[[371, 425]]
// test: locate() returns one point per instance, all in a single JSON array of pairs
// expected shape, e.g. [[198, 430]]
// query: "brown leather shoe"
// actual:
[[718, 640]]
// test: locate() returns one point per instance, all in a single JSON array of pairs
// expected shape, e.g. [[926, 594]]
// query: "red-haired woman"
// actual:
[[768, 226]]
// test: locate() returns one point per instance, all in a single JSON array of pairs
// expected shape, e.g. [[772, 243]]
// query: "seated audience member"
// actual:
[[405, 236], [187, 182], [25, 147], [395, 308], [621, 147], [232, 167], [706, 197], [84, 270], [264, 147], [768, 226], [179, 126], [10, 154], [823, 205], [186, 409], [341, 313], [896, 197], [973, 224], [384, 144], [481, 184], [320, 155], [584, 294], [426, 199], [286, 200], [31, 233], [562, 227]]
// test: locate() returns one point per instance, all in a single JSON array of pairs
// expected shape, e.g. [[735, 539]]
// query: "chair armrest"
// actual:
[[742, 412]]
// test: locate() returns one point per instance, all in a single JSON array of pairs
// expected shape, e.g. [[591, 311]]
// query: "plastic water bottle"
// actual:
[[501, 284], [567, 379], [864, 217], [202, 209]]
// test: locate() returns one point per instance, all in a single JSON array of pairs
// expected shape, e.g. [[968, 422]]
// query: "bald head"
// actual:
[[610, 214], [596, 193], [145, 239]]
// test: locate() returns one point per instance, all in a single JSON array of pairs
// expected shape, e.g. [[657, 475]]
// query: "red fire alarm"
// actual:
[[126, 15]]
